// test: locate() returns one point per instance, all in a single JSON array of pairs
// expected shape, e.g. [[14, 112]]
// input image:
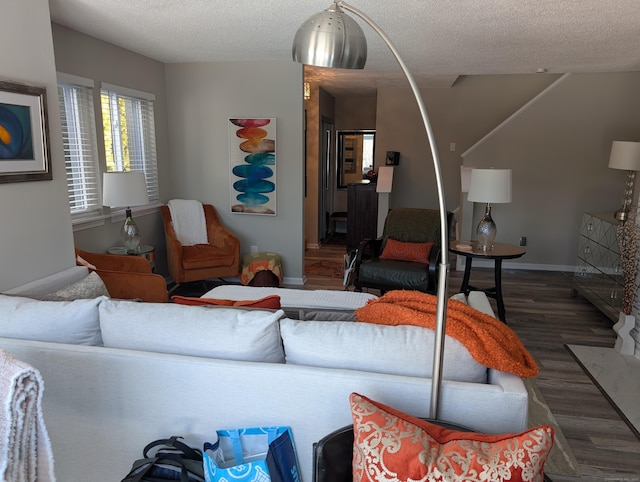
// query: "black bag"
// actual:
[[173, 460]]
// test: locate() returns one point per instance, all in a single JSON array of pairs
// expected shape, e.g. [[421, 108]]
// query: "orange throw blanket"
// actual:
[[489, 341]]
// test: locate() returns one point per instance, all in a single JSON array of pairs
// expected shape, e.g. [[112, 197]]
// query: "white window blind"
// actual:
[[75, 97], [129, 133]]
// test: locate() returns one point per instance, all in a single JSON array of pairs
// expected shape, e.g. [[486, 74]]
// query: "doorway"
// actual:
[[325, 189]]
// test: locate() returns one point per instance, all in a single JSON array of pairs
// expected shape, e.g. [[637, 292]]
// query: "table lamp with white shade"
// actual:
[[489, 186], [625, 155], [125, 189]]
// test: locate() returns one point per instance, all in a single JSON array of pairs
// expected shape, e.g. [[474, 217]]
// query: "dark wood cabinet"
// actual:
[[362, 213]]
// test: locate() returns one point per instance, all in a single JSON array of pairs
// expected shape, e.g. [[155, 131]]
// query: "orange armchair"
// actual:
[[126, 277], [217, 259]]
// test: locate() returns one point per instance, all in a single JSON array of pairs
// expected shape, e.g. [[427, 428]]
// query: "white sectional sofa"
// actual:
[[130, 373]]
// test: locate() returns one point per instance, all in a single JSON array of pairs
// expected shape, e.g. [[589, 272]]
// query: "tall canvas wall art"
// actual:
[[252, 157]]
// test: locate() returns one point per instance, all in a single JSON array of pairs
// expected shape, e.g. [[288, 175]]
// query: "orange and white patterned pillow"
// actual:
[[416, 252], [391, 445]]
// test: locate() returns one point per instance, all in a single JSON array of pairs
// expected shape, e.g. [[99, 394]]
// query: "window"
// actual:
[[75, 96], [129, 133]]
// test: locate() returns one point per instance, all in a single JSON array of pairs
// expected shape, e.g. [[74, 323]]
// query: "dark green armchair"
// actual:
[[406, 225]]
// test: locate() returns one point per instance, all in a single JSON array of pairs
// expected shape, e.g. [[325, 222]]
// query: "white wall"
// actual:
[[201, 99], [36, 236]]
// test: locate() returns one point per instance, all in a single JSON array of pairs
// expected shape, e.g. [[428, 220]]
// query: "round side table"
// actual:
[[500, 251], [144, 250]]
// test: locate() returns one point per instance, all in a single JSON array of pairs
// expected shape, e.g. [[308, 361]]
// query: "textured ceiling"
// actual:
[[438, 39]]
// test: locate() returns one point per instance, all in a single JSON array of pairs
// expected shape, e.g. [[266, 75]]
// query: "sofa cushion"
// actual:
[[75, 322], [397, 350], [227, 333], [397, 446]]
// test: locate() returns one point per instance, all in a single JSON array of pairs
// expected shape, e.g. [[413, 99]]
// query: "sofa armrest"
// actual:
[[145, 286], [50, 284]]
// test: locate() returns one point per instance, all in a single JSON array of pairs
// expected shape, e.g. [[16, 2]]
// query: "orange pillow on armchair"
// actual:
[[416, 252]]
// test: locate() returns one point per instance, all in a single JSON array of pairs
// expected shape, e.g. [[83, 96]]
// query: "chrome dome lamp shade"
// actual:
[[331, 39], [324, 42]]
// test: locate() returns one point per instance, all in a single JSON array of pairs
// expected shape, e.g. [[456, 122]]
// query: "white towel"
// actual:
[[25, 448], [187, 217]]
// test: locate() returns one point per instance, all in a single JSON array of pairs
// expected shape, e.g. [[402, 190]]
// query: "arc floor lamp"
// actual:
[[333, 39]]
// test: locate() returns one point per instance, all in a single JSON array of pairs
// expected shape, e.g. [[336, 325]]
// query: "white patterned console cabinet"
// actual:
[[598, 275]]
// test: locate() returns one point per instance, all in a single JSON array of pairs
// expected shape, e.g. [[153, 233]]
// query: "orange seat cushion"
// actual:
[[205, 256], [271, 302]]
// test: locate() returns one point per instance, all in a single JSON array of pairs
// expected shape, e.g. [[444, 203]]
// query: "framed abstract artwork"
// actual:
[[252, 158], [24, 136]]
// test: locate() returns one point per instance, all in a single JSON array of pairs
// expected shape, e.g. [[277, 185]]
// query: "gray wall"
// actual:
[[462, 114], [201, 99], [36, 237], [193, 104], [558, 148], [88, 57]]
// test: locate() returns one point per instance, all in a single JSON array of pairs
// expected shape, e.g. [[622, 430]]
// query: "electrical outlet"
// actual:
[[523, 241], [254, 249]]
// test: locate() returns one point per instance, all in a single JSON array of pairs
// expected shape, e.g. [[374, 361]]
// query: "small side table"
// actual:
[[500, 251], [144, 250]]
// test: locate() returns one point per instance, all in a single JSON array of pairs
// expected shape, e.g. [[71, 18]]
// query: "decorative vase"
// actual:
[[625, 344]]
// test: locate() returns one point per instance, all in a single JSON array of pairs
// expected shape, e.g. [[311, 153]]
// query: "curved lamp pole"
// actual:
[[333, 39]]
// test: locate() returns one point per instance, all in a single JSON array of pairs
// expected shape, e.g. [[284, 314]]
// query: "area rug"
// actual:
[[324, 267], [561, 460]]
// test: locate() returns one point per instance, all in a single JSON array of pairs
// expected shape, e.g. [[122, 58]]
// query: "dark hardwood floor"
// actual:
[[541, 310]]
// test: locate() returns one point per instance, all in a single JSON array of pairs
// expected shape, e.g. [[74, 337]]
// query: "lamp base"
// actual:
[[621, 214], [130, 234], [486, 231]]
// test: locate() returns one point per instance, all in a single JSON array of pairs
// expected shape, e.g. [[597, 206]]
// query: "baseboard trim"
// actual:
[[478, 263]]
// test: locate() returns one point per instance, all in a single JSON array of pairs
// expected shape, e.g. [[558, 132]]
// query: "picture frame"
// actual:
[[24, 133], [253, 161]]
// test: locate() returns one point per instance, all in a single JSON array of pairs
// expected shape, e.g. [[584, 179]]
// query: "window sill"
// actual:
[[119, 214], [81, 223]]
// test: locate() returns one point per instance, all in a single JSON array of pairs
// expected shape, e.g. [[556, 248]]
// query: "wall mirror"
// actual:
[[354, 156]]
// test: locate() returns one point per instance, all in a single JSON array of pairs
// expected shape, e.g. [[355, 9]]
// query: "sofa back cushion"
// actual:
[[75, 322], [227, 333], [397, 350]]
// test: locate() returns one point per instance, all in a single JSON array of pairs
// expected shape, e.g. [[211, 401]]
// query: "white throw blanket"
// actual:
[[25, 448], [187, 217]]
